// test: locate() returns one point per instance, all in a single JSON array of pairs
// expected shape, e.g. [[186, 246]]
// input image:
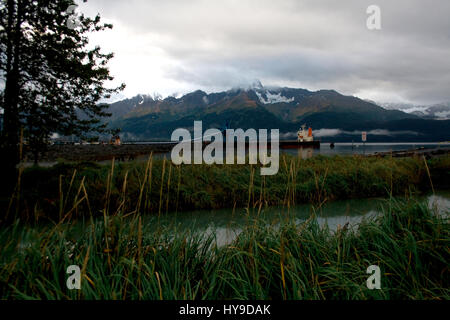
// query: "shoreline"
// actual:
[[130, 152], [158, 186]]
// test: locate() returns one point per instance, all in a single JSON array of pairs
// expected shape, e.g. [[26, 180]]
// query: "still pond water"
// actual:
[[226, 224]]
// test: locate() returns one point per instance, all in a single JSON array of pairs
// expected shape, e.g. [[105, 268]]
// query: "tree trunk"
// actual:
[[10, 135]]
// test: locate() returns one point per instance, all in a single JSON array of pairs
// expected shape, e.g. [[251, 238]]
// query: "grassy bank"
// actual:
[[157, 186], [120, 258]]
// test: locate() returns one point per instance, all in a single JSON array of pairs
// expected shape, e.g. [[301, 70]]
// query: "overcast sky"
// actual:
[[176, 46]]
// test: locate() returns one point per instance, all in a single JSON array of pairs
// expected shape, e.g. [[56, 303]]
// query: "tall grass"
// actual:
[[94, 220], [157, 186], [122, 258]]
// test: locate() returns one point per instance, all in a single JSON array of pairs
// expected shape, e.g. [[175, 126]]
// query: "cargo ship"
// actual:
[[304, 139]]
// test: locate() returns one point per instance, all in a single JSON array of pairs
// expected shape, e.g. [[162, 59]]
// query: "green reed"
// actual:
[[157, 186], [122, 258]]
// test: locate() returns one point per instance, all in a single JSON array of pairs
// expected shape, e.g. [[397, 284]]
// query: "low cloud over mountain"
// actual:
[[179, 46]]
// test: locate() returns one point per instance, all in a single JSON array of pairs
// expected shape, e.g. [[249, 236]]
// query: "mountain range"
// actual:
[[333, 116], [439, 111]]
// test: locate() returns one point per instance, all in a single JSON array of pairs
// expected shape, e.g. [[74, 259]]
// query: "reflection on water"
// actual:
[[305, 153], [226, 224]]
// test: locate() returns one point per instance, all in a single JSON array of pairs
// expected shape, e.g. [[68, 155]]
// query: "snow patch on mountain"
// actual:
[[273, 98], [443, 114], [437, 111]]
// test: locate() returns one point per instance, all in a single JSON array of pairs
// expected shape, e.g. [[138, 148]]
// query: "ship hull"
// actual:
[[293, 144]]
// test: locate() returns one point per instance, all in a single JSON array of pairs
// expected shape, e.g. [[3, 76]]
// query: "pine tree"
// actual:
[[49, 74]]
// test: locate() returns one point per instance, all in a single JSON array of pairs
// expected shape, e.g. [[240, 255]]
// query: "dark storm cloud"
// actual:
[[313, 44]]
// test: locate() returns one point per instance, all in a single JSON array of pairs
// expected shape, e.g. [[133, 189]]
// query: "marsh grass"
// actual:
[[122, 258], [157, 186], [90, 215]]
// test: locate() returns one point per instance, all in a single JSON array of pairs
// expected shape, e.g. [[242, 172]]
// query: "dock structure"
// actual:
[[419, 152]]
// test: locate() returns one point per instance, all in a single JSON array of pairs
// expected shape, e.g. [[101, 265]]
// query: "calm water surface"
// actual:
[[226, 224], [348, 148]]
